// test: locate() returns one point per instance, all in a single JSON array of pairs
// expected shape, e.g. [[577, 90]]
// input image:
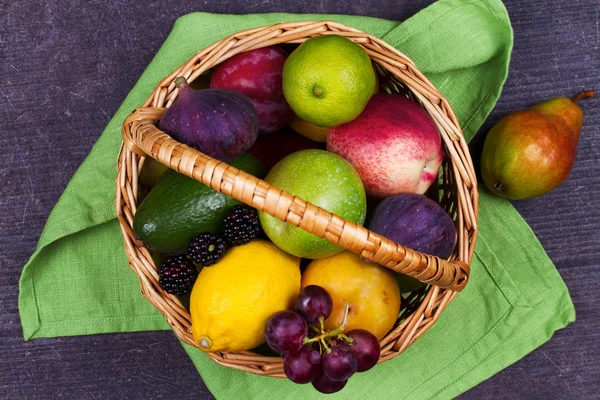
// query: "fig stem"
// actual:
[[582, 95], [179, 81]]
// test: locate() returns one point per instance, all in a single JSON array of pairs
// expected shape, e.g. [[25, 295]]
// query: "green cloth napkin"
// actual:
[[78, 282]]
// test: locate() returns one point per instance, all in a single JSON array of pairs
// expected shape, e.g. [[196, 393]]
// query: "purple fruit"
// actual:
[[285, 330], [313, 303], [365, 348], [340, 364], [325, 384], [220, 123], [302, 366], [257, 74], [416, 222]]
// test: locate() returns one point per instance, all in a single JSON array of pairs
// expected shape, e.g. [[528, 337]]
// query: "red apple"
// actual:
[[393, 144], [257, 74]]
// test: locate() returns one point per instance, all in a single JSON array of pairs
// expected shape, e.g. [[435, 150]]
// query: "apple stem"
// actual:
[[586, 94]]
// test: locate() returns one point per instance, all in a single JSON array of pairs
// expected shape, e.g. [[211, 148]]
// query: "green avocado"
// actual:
[[178, 208]]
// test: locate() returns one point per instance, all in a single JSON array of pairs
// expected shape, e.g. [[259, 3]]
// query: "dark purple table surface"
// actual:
[[67, 65]]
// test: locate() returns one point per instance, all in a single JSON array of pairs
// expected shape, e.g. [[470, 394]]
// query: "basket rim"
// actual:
[[134, 148]]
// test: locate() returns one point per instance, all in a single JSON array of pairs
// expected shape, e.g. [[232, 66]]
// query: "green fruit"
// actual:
[[152, 171], [321, 178], [178, 208], [530, 152], [328, 80], [407, 284]]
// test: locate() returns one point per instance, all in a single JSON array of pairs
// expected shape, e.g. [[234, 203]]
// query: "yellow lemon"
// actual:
[[328, 80], [232, 300], [370, 290]]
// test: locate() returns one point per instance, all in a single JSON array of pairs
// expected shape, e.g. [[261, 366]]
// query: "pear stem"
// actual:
[[499, 187], [587, 93]]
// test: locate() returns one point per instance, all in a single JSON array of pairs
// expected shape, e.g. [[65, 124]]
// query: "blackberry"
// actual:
[[177, 275], [241, 225], [207, 248]]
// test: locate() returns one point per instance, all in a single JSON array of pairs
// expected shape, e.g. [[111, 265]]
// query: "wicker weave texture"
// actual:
[[456, 190]]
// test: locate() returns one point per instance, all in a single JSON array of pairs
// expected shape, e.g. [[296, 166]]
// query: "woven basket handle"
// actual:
[[141, 136]]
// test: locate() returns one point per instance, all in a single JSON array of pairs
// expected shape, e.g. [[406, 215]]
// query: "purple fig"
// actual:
[[417, 222], [220, 123]]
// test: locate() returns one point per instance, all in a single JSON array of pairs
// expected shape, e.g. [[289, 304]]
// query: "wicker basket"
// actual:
[[456, 191]]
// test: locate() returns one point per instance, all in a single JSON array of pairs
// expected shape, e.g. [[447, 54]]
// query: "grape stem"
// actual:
[[327, 349], [337, 332], [346, 338]]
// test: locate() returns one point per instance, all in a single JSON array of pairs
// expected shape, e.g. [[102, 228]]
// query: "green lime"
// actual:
[[328, 80]]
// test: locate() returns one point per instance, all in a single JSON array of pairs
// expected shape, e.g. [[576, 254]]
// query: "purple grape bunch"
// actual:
[[327, 359]]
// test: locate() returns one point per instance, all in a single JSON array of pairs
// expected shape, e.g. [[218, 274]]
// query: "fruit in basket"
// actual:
[[328, 80], [241, 225], [309, 130], [232, 300], [407, 284], [285, 330], [178, 208], [339, 364], [394, 145], [207, 248], [302, 366], [177, 275], [270, 149], [370, 291], [152, 171], [314, 303], [323, 179], [365, 349], [531, 152], [417, 222], [257, 74], [312, 353], [325, 384], [312, 131], [221, 123]]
